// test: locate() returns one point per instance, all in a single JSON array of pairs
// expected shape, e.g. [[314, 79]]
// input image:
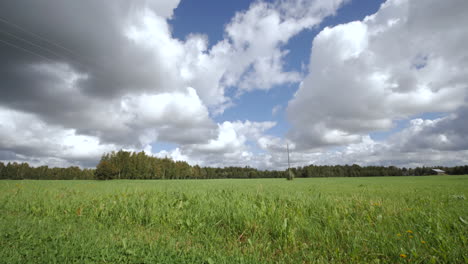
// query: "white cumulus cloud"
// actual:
[[402, 61]]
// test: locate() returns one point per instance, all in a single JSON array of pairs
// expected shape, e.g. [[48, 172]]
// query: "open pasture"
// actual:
[[326, 220]]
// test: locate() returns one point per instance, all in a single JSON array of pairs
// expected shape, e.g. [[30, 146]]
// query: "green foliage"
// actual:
[[328, 220], [105, 171], [19, 171]]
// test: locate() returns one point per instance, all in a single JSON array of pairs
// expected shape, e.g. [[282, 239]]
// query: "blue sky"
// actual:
[[210, 18], [207, 18], [231, 83]]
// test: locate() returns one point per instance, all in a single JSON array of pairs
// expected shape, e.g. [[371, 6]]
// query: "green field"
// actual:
[[327, 220]]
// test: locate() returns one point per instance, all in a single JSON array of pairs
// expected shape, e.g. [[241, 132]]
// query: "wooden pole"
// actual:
[[289, 164]]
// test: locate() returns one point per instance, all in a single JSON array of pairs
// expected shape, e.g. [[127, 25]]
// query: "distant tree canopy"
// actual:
[[139, 165], [133, 165], [20, 171], [105, 171]]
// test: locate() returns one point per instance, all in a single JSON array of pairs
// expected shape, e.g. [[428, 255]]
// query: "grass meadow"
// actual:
[[323, 220]]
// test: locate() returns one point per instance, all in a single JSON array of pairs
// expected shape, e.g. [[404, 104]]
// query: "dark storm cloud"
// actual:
[[80, 40], [67, 66], [86, 35], [7, 155]]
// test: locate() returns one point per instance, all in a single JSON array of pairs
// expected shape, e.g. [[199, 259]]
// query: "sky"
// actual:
[[232, 83]]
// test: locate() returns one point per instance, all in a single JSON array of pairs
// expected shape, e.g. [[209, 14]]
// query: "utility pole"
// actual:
[[290, 177]]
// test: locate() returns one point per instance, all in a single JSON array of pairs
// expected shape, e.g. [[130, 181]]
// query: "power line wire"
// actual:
[[101, 72], [96, 74], [33, 44], [37, 36], [56, 53], [26, 50], [49, 50], [86, 59]]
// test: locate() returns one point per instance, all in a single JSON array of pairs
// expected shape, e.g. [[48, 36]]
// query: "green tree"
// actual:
[[106, 171]]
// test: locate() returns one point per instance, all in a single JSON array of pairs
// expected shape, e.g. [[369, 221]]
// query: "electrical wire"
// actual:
[[26, 50], [2, 19]]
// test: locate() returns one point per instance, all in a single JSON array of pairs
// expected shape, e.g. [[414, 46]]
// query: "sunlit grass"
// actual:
[[330, 220]]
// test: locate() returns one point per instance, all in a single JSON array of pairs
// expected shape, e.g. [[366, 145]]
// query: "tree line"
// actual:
[[139, 165], [20, 171]]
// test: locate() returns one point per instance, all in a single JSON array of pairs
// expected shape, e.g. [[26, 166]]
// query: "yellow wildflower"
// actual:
[[409, 231], [398, 234], [403, 256], [411, 236], [423, 242]]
